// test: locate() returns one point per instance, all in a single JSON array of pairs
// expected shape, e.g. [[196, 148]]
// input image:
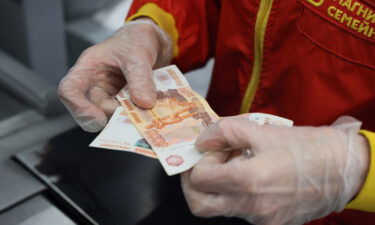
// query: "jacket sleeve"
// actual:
[[191, 24], [365, 200]]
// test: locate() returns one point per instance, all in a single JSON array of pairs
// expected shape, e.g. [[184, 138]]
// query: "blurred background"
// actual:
[[48, 175]]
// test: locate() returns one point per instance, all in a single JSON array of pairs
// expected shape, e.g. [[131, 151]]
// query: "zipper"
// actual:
[[264, 10]]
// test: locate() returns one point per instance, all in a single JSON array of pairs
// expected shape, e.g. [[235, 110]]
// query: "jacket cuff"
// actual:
[[162, 18], [365, 200]]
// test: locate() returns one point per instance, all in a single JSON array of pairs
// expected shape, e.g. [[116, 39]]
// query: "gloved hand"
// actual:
[[89, 89], [296, 175]]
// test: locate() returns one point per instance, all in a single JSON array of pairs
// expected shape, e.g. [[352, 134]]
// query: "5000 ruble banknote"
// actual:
[[171, 127]]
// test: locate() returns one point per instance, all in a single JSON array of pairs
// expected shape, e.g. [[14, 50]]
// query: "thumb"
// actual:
[[227, 134], [141, 84]]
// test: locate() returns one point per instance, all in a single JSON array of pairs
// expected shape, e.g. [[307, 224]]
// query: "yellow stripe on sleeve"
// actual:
[[365, 200]]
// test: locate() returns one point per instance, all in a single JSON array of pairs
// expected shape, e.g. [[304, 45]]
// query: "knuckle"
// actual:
[[200, 213], [200, 209], [88, 52], [223, 124], [230, 123], [61, 88], [197, 177], [196, 209], [215, 210], [194, 204], [98, 52], [266, 210]]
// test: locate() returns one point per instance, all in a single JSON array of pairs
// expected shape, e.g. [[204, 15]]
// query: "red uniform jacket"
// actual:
[[317, 59]]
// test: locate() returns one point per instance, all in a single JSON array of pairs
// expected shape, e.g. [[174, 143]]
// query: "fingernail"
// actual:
[[143, 98]]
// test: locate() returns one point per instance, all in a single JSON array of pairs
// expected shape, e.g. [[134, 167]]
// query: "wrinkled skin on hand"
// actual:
[[88, 90], [297, 174]]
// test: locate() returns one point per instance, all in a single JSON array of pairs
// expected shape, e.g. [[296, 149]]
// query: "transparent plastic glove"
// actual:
[[297, 174], [89, 89]]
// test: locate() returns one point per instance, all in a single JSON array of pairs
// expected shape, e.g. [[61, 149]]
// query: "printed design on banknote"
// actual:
[[120, 134], [178, 117], [174, 160], [268, 119]]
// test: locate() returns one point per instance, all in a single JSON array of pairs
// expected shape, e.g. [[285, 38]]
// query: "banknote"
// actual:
[[265, 119], [121, 134], [268, 119], [171, 127]]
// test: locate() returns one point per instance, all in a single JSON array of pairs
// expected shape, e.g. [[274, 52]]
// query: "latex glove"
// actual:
[[297, 174], [89, 89]]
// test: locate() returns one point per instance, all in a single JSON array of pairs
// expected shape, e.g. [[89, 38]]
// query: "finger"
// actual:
[[202, 204], [227, 133], [214, 158], [108, 79], [213, 174], [104, 86], [142, 88], [103, 99], [72, 92]]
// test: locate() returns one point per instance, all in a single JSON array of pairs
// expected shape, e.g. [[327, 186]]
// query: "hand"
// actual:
[[89, 89], [297, 174]]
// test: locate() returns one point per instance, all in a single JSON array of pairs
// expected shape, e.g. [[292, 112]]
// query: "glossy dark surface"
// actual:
[[116, 187]]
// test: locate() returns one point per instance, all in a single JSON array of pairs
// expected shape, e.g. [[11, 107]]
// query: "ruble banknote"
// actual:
[[120, 134], [171, 127], [268, 119]]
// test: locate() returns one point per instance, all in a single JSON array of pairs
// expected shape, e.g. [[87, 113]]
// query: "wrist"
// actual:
[[146, 34], [164, 20], [162, 40], [165, 47], [146, 19]]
